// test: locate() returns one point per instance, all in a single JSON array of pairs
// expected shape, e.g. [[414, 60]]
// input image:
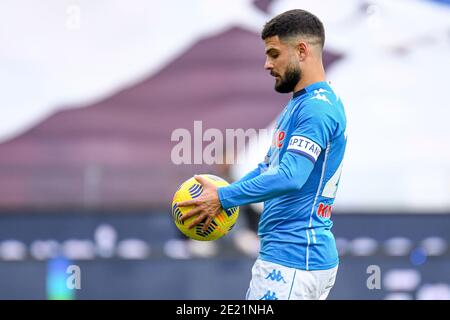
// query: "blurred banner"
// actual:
[[122, 256], [93, 91]]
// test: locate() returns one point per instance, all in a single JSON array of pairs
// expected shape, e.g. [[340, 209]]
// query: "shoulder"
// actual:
[[313, 109]]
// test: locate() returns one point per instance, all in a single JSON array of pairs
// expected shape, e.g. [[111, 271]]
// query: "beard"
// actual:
[[291, 77]]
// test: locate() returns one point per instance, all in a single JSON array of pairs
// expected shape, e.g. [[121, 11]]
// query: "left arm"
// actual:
[[291, 175]]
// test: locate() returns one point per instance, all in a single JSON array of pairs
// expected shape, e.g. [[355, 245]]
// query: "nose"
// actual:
[[268, 65]]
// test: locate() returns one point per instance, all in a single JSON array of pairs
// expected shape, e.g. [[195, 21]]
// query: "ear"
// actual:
[[302, 50]]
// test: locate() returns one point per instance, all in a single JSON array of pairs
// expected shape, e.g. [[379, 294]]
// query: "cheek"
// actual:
[[281, 67], [282, 72]]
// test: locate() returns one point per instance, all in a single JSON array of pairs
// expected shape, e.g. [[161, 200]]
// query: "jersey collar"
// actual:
[[310, 88]]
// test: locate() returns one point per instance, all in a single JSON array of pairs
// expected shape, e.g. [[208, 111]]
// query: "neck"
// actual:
[[309, 78]]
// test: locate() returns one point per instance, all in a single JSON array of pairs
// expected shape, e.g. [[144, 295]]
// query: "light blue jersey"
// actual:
[[298, 182]]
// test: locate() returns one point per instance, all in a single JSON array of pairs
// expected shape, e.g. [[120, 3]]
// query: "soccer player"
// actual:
[[300, 174]]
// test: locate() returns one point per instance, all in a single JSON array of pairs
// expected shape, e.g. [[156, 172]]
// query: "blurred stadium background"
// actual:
[[92, 90]]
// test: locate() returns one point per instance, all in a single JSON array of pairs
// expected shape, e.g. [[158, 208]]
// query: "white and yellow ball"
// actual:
[[220, 225]]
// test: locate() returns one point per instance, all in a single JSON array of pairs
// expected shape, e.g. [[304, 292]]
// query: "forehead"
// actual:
[[273, 43]]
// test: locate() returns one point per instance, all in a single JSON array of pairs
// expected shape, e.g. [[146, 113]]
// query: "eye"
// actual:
[[274, 55]]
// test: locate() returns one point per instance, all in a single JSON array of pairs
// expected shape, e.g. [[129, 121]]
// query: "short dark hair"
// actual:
[[293, 23]]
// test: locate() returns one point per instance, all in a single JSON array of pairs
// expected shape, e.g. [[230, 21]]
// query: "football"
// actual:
[[220, 226]]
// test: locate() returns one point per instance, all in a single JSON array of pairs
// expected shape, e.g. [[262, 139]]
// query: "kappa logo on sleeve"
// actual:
[[304, 146]]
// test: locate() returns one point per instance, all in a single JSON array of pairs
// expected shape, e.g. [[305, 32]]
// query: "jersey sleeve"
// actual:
[[313, 131], [289, 176]]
